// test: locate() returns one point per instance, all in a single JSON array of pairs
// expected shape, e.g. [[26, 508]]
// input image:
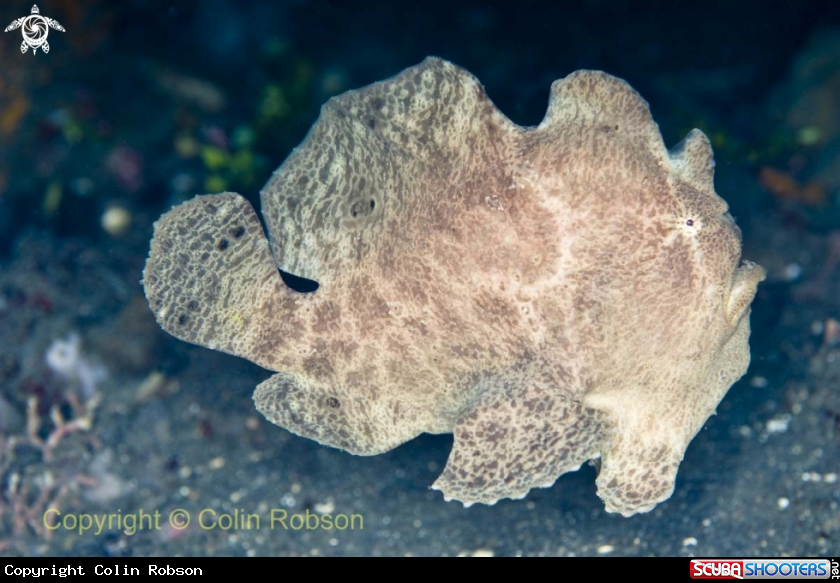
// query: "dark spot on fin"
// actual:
[[298, 284], [360, 208]]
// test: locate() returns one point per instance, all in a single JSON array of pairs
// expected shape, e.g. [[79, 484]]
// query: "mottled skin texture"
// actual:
[[548, 294]]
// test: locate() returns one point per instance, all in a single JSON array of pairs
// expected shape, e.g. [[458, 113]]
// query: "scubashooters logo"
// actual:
[[35, 29], [762, 569], [702, 569]]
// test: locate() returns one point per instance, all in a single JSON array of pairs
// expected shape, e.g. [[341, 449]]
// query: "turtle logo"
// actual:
[[35, 30]]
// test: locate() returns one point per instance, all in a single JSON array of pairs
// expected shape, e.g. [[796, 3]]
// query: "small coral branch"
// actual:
[[64, 357], [28, 505], [27, 494], [83, 421]]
